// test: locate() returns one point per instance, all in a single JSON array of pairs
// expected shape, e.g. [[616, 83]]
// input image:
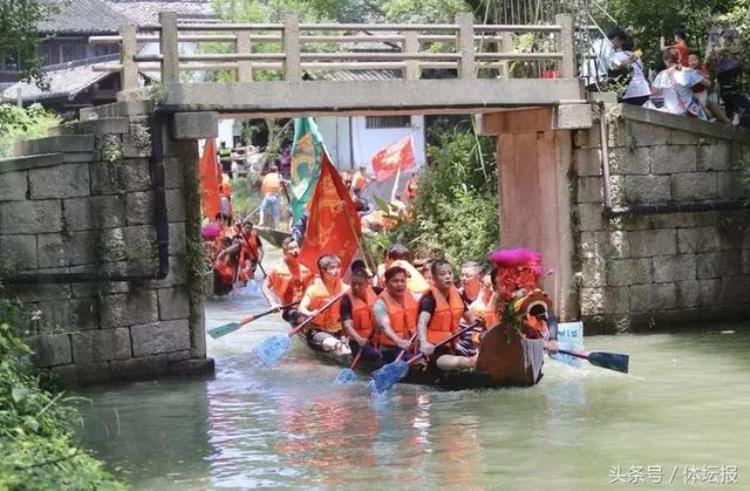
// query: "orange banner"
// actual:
[[386, 162], [208, 169], [333, 226]]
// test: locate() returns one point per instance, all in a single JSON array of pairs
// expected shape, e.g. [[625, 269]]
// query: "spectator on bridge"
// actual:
[[628, 61], [700, 91], [676, 85], [596, 70], [729, 75]]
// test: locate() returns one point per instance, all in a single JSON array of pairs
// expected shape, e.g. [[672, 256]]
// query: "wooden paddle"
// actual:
[[612, 361], [230, 327], [273, 348]]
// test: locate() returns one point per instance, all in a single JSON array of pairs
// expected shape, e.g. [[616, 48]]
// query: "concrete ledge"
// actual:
[[118, 110], [194, 125], [50, 144], [683, 123], [14, 164], [321, 97], [98, 127]]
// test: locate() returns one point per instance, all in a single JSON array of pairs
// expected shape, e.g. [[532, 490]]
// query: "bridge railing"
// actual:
[[291, 48]]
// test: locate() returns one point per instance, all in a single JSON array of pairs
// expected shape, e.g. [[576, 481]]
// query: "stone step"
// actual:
[[55, 144], [97, 127]]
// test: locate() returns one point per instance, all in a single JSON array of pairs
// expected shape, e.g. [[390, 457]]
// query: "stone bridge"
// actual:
[[639, 214]]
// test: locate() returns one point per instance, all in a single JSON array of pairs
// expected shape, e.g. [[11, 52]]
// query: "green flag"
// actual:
[[305, 168]]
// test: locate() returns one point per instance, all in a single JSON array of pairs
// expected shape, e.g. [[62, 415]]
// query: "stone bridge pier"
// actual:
[[100, 234]]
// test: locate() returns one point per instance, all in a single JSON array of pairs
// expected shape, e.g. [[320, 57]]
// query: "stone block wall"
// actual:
[[656, 270], [82, 201]]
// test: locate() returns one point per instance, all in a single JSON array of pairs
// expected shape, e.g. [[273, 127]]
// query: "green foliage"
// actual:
[[246, 196], [456, 208], [36, 434], [19, 124], [19, 38]]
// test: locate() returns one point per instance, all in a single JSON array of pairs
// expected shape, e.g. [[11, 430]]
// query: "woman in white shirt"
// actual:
[[676, 85], [638, 90]]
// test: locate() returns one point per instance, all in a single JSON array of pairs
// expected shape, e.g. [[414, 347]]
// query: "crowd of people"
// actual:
[[680, 82], [402, 307]]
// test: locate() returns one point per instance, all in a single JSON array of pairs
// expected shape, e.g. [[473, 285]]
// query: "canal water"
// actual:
[[678, 420]]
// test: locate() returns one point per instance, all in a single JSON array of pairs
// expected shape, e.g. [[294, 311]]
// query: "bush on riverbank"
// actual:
[[36, 432], [456, 207], [22, 124]]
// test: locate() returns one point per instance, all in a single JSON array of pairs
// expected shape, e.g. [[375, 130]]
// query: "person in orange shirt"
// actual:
[[287, 282], [680, 44], [356, 314], [326, 329], [441, 310], [270, 188], [412, 185], [395, 314], [360, 180]]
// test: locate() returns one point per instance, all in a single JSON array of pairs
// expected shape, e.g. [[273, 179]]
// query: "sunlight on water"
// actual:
[[290, 426]]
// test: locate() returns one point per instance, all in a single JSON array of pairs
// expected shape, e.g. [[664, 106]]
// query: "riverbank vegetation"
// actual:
[[456, 210], [17, 123], [36, 426]]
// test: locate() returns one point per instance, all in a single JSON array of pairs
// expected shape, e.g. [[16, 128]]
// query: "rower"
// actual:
[[325, 330], [287, 282], [356, 314], [395, 314], [251, 251], [360, 180], [440, 312], [472, 289], [398, 255]]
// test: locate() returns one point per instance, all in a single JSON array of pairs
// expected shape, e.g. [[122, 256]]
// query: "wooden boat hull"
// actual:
[[272, 236], [506, 359]]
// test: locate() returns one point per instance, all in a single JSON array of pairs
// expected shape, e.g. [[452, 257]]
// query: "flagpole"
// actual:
[[395, 183]]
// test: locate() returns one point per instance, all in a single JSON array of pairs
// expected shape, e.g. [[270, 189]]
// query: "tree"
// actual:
[[19, 37]]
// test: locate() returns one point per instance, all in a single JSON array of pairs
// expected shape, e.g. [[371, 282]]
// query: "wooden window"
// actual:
[[378, 122]]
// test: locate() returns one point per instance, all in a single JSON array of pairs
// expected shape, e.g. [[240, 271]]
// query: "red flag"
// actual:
[[333, 226], [209, 180], [387, 161]]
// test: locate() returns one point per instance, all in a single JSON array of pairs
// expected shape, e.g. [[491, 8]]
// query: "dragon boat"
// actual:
[[272, 236], [506, 359]]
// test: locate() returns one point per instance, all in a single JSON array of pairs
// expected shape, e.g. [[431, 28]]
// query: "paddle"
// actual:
[[389, 375], [225, 329], [612, 361], [347, 375], [273, 348]]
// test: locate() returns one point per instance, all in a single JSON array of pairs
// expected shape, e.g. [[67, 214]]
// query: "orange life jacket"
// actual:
[[249, 250], [411, 189], [330, 319], [287, 285], [362, 312], [271, 183], [448, 312], [225, 188], [225, 269], [403, 317]]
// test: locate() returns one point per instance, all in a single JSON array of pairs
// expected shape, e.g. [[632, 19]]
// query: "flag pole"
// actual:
[[395, 183]]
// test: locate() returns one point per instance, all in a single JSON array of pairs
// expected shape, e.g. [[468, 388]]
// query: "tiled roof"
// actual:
[[83, 17], [147, 12], [66, 80]]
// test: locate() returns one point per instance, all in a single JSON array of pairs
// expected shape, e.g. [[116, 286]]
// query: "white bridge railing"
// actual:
[[292, 48]]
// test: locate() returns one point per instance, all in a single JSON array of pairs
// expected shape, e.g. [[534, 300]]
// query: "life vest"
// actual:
[[330, 319], [448, 312], [225, 269], [403, 318], [362, 312], [411, 189], [359, 182], [491, 315], [288, 286], [271, 183], [249, 250], [225, 188]]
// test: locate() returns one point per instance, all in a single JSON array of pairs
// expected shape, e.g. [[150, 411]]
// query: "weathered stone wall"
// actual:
[[82, 201], [656, 270]]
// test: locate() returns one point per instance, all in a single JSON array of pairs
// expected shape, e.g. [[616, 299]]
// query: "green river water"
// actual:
[[677, 421]]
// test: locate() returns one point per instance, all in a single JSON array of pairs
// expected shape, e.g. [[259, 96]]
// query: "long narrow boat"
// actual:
[[506, 359]]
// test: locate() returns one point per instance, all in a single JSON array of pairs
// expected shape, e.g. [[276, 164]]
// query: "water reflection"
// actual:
[[291, 427]]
